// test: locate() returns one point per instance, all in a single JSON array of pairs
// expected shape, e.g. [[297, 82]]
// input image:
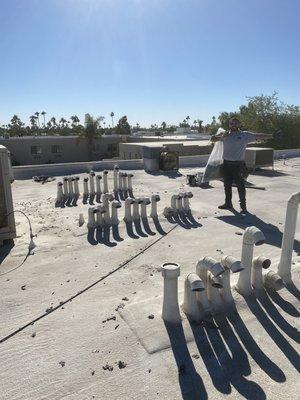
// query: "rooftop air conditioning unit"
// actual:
[[257, 157], [7, 219]]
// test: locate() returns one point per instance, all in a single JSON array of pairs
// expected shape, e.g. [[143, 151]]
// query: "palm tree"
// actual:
[[164, 125], [75, 120], [187, 119], [33, 119], [37, 114], [90, 132], [43, 114], [112, 118]]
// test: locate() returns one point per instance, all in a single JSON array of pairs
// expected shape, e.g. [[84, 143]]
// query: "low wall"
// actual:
[[28, 171]]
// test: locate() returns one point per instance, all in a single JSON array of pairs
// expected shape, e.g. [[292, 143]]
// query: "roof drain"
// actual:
[[230, 264], [192, 285], [285, 263], [170, 308], [252, 236]]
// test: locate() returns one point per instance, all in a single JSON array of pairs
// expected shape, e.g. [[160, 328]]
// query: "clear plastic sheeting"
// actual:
[[213, 167]]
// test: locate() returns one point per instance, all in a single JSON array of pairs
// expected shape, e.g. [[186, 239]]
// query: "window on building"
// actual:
[[36, 150], [56, 149]]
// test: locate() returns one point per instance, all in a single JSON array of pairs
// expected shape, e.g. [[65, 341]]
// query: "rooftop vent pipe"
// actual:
[[230, 264], [170, 308], [256, 274], [91, 218], [129, 181], [128, 202], [192, 285], [76, 186], [66, 189], [106, 198], [174, 200], [252, 236], [205, 265], [114, 212], [135, 209], [285, 263], [105, 182], [179, 202], [145, 201], [92, 183], [155, 198], [100, 216], [120, 179], [98, 185], [273, 281], [186, 201], [85, 187], [213, 286], [70, 187], [124, 182], [60, 194], [116, 170]]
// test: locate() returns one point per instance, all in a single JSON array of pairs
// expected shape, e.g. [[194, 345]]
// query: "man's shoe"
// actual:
[[244, 210], [225, 207]]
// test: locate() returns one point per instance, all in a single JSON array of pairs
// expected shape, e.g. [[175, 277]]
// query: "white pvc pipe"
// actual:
[[105, 182], [135, 209], [76, 186], [285, 263], [179, 202], [252, 236], [233, 265], [116, 185], [128, 216], [114, 212], [92, 183], [91, 218], [174, 199], [170, 308], [186, 201], [273, 281], [125, 182], [100, 219], [120, 180], [98, 185], [60, 194], [70, 188], [66, 188], [213, 286], [205, 265], [129, 180], [258, 264], [81, 219], [106, 198], [192, 285], [155, 198], [85, 187], [145, 202]]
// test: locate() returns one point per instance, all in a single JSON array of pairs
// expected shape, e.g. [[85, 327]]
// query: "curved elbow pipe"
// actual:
[[135, 209], [285, 263], [179, 202], [186, 201], [273, 281], [258, 264], [100, 216], [170, 308], [155, 198], [128, 203], [174, 200], [145, 202], [230, 264], [252, 236], [114, 212], [92, 211], [193, 285]]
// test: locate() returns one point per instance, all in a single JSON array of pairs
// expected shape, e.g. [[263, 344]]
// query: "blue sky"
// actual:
[[153, 60]]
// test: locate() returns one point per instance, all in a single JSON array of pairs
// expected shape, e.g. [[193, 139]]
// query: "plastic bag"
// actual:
[[213, 167]]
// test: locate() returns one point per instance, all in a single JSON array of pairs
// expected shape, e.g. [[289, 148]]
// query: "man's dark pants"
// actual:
[[234, 172]]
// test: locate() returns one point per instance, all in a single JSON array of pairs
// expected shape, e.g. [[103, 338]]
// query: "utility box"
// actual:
[[257, 157], [7, 219], [151, 158]]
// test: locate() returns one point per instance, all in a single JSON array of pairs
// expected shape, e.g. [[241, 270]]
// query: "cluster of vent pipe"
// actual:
[[122, 181], [136, 208], [180, 204], [68, 189], [208, 290], [104, 215]]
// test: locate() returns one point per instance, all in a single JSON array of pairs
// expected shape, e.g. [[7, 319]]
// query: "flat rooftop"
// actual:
[[80, 318]]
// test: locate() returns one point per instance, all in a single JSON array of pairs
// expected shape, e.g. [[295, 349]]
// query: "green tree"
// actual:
[[16, 126], [123, 127], [164, 125], [90, 132]]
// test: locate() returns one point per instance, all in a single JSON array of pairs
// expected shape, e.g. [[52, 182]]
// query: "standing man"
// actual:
[[233, 169]]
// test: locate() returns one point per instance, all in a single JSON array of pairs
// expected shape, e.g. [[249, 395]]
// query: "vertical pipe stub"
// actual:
[[170, 308], [192, 285]]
